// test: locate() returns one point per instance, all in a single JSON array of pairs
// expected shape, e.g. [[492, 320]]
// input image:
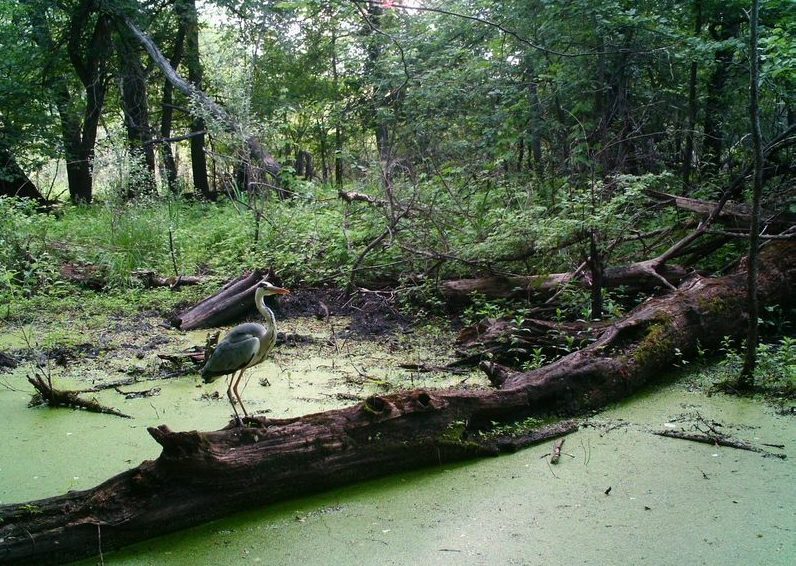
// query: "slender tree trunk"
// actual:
[[746, 379], [187, 10], [374, 74], [688, 152], [596, 267], [338, 130], [89, 57], [713, 145], [536, 125], [167, 116]]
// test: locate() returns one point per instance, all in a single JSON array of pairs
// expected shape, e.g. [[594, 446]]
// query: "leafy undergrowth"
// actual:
[[775, 373]]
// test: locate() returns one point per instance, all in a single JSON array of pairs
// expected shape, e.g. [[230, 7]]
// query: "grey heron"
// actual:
[[244, 346]]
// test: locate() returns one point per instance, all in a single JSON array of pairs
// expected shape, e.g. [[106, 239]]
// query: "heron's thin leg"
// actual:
[[231, 398], [235, 388]]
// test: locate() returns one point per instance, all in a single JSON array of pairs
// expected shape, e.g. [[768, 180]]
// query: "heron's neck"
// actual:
[[268, 314]]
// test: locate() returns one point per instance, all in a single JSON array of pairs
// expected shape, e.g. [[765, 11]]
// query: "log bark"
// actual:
[[200, 476], [231, 302]]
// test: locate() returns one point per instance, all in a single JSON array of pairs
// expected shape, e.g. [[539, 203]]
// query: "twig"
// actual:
[[57, 398], [718, 440]]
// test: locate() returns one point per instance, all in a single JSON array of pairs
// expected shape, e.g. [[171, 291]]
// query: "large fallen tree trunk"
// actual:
[[204, 475]]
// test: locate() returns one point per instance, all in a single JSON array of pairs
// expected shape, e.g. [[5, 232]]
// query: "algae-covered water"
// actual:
[[620, 495]]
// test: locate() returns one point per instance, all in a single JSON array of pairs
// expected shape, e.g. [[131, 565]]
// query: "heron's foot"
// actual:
[[258, 422]]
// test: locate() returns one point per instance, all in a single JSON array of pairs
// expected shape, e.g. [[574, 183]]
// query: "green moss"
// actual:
[[657, 344], [717, 306]]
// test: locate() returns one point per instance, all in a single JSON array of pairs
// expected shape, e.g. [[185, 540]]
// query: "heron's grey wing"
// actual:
[[234, 352]]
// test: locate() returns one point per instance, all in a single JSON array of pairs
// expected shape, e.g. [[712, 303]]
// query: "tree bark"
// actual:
[[186, 9], [200, 476], [167, 112], [723, 27], [688, 152]]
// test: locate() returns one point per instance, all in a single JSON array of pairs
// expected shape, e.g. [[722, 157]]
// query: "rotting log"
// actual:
[[201, 476], [636, 276], [149, 278], [736, 215], [231, 302]]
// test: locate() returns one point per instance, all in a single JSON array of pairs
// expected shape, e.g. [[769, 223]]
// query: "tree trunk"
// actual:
[[264, 160], [187, 12], [13, 180], [338, 133], [688, 152], [89, 57], [746, 379], [713, 145], [200, 476], [135, 106], [596, 284], [167, 112]]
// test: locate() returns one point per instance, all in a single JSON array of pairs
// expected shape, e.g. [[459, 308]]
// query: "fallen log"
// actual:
[[636, 276], [737, 215], [201, 476], [149, 278], [233, 300]]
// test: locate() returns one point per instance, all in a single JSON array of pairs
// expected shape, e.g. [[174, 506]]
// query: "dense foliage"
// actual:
[[513, 137]]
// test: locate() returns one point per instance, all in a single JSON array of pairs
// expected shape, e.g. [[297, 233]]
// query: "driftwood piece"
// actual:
[[232, 301], [58, 398], [201, 476], [718, 440]]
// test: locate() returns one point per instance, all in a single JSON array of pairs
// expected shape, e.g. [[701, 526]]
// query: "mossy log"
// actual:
[[201, 476]]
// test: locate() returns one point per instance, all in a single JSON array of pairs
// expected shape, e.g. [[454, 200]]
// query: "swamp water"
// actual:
[[670, 501]]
